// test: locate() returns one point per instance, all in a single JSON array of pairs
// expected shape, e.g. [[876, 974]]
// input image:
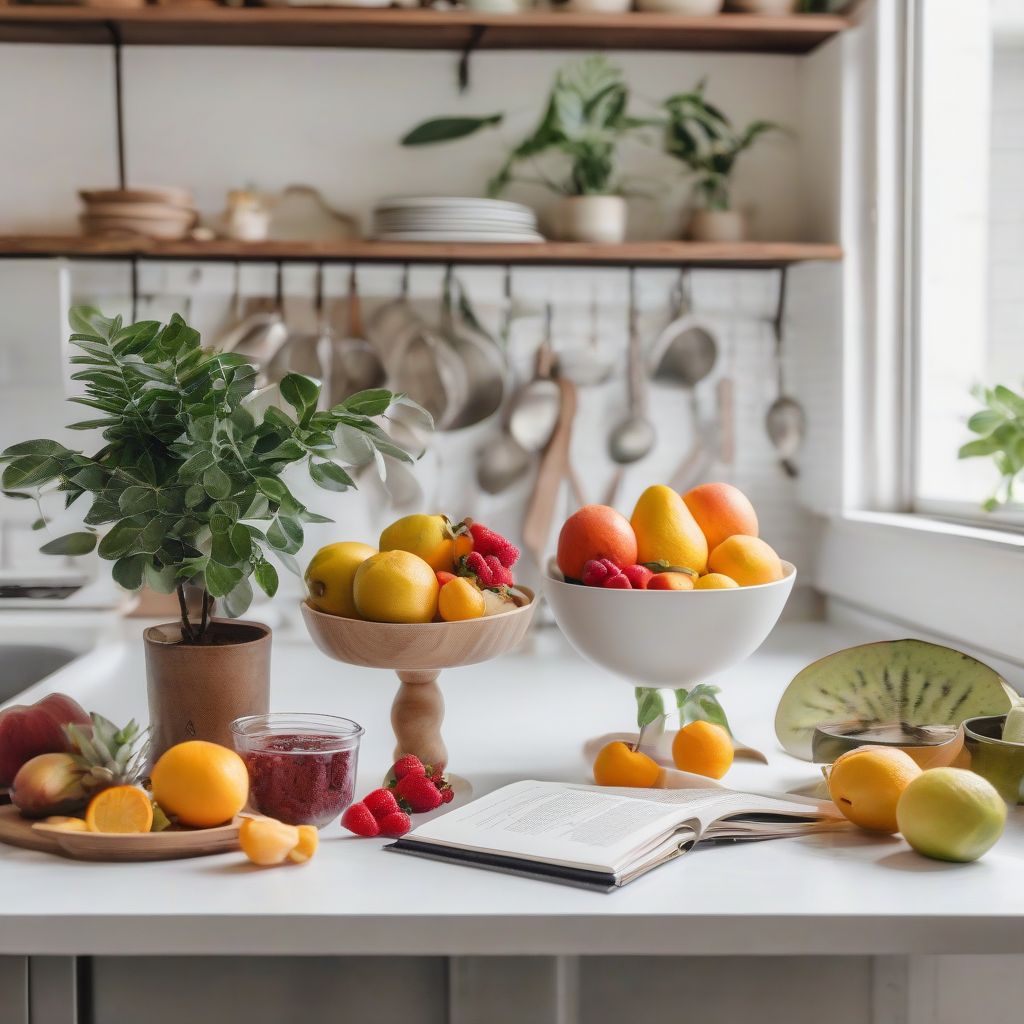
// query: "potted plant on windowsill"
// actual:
[[187, 489], [704, 140], [584, 121]]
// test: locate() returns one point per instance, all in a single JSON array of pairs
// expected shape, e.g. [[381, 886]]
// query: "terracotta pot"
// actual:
[[717, 226], [600, 219], [197, 690]]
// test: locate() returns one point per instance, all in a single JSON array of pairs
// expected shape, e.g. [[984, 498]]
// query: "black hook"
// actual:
[[476, 35]]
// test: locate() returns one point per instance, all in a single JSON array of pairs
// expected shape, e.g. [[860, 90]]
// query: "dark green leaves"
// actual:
[[330, 476], [70, 544], [216, 482], [266, 577], [700, 703], [301, 393], [285, 534], [446, 129], [650, 705], [221, 579]]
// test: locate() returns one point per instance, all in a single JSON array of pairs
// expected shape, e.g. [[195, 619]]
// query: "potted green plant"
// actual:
[[999, 427], [584, 121], [703, 139], [186, 489]]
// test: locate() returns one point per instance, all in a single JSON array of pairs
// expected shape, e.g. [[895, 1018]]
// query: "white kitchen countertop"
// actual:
[[523, 716]]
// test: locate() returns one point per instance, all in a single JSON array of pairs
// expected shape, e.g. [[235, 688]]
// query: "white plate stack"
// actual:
[[453, 219]]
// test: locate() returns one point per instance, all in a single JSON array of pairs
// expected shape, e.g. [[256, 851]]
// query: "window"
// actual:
[[969, 249]]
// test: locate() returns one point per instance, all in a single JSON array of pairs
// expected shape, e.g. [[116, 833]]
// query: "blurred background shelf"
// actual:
[[651, 254], [415, 29]]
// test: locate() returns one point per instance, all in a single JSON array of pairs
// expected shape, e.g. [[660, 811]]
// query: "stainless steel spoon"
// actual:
[[785, 421], [633, 437]]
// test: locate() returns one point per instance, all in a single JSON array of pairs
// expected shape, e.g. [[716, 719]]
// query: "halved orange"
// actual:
[[122, 809]]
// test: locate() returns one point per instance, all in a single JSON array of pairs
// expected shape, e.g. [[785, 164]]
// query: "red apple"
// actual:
[[30, 729], [48, 784]]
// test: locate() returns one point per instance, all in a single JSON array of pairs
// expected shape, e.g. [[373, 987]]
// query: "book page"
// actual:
[[577, 826]]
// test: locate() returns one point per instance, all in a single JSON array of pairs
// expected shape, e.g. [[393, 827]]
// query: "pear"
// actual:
[[667, 532]]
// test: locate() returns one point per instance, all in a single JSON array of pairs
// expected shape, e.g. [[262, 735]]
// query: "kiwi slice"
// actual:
[[894, 682]]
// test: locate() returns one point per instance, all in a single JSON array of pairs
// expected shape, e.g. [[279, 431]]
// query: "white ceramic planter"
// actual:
[[597, 6], [591, 219], [687, 8], [717, 226]]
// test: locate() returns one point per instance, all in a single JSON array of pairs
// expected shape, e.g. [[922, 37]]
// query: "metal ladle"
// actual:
[[785, 422], [633, 437]]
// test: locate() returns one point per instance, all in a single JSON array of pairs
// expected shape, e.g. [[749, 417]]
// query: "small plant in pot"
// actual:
[[705, 141], [186, 490], [584, 121]]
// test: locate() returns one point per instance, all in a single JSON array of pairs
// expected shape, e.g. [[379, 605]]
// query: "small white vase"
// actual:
[[717, 226], [597, 6], [686, 8], [599, 219]]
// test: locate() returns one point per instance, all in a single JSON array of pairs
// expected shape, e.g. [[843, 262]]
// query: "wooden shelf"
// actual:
[[417, 29], [641, 254]]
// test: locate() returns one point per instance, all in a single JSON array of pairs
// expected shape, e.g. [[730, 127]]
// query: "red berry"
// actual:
[[487, 542], [638, 576], [396, 824], [617, 582], [381, 803], [359, 819], [595, 572], [418, 793], [610, 565], [407, 764], [501, 575], [447, 794], [436, 774], [476, 566]]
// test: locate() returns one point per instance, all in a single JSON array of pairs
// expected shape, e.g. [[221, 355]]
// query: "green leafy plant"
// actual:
[[704, 140], [1000, 429], [584, 120], [187, 487]]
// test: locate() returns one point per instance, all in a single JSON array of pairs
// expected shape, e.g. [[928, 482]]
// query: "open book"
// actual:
[[603, 837]]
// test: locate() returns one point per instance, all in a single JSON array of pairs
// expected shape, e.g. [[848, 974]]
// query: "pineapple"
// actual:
[[106, 755]]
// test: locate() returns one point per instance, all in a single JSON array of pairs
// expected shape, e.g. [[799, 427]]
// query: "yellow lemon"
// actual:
[[715, 581], [396, 586], [432, 537], [330, 574]]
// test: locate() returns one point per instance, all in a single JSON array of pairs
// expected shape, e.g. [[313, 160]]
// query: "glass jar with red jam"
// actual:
[[302, 768]]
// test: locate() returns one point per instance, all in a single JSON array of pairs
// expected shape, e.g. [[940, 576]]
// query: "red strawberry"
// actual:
[[501, 574], [638, 576], [381, 803], [418, 793], [620, 581], [396, 824], [595, 572], [475, 565], [360, 820], [447, 794], [487, 542], [407, 764], [436, 775]]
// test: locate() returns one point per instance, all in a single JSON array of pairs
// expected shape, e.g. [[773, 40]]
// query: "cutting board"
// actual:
[[172, 844]]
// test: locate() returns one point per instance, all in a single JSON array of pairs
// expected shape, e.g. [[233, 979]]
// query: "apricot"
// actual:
[[703, 748], [749, 561], [618, 764], [866, 785], [595, 531], [266, 841], [721, 511], [671, 581], [715, 581]]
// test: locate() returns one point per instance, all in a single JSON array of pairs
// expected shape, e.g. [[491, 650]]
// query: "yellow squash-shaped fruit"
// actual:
[[666, 530], [433, 537], [330, 574]]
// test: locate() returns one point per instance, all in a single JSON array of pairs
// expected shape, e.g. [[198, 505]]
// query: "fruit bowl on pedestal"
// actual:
[[666, 639], [418, 652]]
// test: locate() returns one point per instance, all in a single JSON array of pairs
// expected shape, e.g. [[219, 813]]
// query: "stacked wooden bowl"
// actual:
[[164, 213]]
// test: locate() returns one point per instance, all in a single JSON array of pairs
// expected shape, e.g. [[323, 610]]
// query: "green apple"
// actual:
[[951, 814]]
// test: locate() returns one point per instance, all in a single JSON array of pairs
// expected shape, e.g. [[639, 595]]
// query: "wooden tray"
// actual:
[[173, 844]]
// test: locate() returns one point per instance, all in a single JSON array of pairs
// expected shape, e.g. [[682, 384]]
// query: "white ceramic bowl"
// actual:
[[667, 638]]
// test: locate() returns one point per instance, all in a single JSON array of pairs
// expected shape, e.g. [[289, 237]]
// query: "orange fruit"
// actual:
[[671, 581], [721, 511], [66, 824], [715, 581], [123, 809], [747, 560], [618, 764], [866, 785], [201, 784], [266, 841], [703, 748], [595, 531], [444, 577], [460, 599], [396, 586], [309, 841]]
